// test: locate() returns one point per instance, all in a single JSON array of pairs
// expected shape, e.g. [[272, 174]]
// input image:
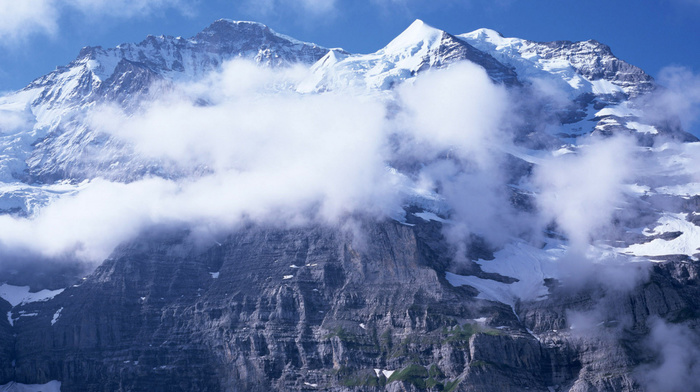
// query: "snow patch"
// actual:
[[17, 295], [386, 373], [689, 189], [685, 244], [51, 386], [56, 316], [643, 128], [530, 265], [428, 216]]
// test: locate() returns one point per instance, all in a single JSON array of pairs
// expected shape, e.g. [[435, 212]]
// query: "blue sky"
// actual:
[[38, 35]]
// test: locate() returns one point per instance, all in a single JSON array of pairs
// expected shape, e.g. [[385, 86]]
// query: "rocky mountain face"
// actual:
[[63, 147], [309, 310], [382, 304]]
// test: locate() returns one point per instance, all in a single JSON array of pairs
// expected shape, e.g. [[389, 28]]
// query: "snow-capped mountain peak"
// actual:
[[586, 66], [488, 35], [418, 33], [418, 48], [52, 149]]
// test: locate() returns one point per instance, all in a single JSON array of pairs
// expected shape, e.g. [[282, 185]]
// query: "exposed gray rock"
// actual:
[[269, 309]]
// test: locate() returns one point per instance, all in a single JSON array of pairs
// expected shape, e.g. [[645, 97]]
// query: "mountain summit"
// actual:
[[243, 211]]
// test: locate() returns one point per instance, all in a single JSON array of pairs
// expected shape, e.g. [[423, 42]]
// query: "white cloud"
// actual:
[[680, 98], [452, 121], [458, 108], [283, 159], [678, 358], [20, 19], [121, 8], [581, 191], [303, 8], [273, 156]]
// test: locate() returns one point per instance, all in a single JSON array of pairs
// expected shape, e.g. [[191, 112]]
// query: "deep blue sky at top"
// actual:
[[651, 34]]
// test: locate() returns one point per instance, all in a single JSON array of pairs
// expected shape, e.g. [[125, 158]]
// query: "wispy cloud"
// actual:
[[123, 8], [20, 20], [301, 8], [677, 358], [678, 101], [580, 191]]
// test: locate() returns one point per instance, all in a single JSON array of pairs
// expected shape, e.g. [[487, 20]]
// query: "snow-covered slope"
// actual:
[[48, 150], [579, 67], [48, 140], [590, 76], [419, 48], [116, 73]]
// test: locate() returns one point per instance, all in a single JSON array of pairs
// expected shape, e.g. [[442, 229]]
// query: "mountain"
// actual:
[[419, 48], [536, 233], [590, 75], [58, 146]]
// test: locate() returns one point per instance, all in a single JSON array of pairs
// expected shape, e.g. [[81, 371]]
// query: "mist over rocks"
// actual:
[[244, 211]]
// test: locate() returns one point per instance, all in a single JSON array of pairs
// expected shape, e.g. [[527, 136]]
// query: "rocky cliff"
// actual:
[[320, 309], [466, 273]]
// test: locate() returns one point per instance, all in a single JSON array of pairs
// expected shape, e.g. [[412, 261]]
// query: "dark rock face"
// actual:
[[316, 308]]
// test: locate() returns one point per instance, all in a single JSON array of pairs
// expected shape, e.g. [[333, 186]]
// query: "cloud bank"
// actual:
[[254, 150], [19, 19]]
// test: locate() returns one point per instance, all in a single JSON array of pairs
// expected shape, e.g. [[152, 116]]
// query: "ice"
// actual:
[[285, 277], [397, 62], [604, 87], [687, 243], [621, 110], [415, 36], [214, 275], [386, 373], [529, 264], [16, 295], [56, 316], [51, 386], [643, 128], [428, 216]]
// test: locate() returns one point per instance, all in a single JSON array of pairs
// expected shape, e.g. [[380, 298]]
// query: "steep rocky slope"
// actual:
[[384, 302], [313, 309]]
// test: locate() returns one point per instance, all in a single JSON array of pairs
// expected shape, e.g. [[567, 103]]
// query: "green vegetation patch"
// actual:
[[461, 334], [413, 374]]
